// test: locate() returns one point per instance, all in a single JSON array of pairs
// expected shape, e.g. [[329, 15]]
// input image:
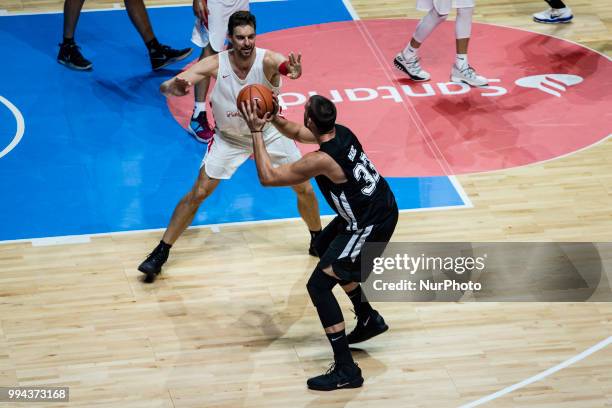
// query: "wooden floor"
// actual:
[[230, 324]]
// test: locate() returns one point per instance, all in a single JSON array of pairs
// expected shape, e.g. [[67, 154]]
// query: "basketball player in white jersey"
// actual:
[[408, 61], [232, 144], [209, 33]]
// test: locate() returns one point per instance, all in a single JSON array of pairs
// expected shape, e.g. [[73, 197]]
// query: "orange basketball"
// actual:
[[260, 94]]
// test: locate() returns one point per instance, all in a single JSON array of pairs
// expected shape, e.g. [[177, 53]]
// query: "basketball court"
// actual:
[[92, 164]]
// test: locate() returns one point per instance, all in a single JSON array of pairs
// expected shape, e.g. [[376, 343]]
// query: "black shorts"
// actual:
[[341, 248]]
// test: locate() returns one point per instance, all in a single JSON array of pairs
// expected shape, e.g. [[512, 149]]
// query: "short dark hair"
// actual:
[[322, 112], [241, 18]]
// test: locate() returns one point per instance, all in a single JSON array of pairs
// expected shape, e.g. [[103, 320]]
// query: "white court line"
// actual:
[[541, 375], [85, 238], [20, 126], [70, 239], [459, 189], [349, 7]]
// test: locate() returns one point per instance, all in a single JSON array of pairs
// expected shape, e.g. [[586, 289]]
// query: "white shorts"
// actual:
[[219, 12], [443, 7], [223, 157]]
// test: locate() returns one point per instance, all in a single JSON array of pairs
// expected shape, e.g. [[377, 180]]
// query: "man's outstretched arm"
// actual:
[[180, 84]]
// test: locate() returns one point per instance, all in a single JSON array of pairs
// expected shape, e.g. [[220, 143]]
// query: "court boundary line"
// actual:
[[564, 364], [86, 238]]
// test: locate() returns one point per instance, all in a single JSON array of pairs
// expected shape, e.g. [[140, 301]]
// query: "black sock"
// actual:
[[163, 246], [362, 308], [556, 4], [339, 343], [68, 41], [314, 234], [153, 45]]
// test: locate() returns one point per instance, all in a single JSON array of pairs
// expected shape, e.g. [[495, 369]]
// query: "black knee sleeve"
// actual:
[[320, 287]]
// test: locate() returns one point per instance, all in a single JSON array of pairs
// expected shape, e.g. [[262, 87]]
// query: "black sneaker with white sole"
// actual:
[[338, 376], [367, 327], [153, 264], [164, 55], [70, 56]]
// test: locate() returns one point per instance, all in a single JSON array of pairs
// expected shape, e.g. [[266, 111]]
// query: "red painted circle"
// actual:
[[559, 105]]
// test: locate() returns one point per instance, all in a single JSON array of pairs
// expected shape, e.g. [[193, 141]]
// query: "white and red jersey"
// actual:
[[228, 121]]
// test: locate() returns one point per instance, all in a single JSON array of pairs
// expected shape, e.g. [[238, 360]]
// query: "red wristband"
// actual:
[[283, 69]]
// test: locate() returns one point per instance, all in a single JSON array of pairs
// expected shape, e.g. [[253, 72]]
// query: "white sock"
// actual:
[[461, 61], [410, 52], [199, 107]]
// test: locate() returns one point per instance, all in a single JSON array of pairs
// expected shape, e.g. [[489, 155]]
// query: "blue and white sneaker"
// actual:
[[200, 129], [554, 16]]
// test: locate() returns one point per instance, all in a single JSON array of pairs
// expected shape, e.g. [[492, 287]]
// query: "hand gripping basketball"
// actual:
[[250, 113]]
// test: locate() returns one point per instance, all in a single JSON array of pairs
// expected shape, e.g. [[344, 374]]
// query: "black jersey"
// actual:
[[365, 198]]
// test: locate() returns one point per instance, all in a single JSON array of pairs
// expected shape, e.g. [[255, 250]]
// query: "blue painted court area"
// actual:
[[102, 153]]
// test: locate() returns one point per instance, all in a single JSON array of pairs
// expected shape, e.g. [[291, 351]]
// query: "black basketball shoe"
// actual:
[[367, 327], [163, 55], [338, 376], [153, 264], [70, 56], [312, 249]]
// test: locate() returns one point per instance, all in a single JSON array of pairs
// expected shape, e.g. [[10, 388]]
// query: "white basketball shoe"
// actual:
[[468, 75], [411, 67], [554, 16]]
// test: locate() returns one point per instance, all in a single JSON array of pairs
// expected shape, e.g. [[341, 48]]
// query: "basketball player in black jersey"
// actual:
[[366, 212]]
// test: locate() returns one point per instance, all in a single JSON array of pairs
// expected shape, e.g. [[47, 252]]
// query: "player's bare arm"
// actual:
[[309, 166], [276, 64], [180, 84], [293, 130]]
